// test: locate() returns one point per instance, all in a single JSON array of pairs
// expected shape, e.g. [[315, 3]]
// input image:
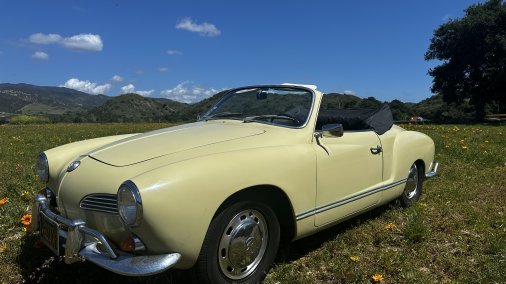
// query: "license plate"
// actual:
[[49, 233]]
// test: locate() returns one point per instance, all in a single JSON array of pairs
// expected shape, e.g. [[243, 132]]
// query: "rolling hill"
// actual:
[[63, 104], [44, 100], [136, 108]]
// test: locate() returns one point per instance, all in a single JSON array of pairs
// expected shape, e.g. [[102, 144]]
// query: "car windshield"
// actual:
[[284, 106]]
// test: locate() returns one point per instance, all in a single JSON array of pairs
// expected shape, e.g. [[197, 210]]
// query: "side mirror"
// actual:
[[332, 130]]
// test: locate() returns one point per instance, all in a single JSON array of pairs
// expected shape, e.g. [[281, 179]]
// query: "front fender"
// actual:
[[180, 200]]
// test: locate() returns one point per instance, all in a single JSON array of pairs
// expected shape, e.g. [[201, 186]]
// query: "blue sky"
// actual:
[[188, 50]]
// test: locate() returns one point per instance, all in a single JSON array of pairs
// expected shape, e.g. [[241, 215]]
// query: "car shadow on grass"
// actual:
[[304, 246], [39, 265]]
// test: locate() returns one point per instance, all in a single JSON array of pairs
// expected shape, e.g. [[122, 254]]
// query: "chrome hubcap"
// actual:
[[243, 244], [412, 183]]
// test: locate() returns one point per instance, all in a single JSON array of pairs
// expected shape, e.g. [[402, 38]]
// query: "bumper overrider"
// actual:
[[432, 169], [83, 243]]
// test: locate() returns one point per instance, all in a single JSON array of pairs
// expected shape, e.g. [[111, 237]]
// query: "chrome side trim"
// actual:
[[347, 200], [433, 172]]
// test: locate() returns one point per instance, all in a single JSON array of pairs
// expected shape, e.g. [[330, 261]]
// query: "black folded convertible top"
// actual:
[[380, 120]]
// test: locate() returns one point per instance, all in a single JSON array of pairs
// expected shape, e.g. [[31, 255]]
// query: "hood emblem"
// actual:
[[73, 166]]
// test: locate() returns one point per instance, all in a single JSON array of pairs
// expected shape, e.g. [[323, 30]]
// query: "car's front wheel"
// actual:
[[241, 244], [413, 189]]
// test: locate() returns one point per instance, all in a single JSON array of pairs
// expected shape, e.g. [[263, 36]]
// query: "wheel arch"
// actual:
[[272, 196], [420, 163]]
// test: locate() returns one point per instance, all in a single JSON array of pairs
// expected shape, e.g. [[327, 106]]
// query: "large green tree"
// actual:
[[472, 52]]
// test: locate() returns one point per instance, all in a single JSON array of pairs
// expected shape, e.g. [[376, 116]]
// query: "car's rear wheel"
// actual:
[[241, 244], [414, 184]]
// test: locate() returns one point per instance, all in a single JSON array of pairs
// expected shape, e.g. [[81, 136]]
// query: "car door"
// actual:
[[349, 174]]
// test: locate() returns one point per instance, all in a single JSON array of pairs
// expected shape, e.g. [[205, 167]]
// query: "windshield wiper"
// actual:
[[255, 118], [222, 114]]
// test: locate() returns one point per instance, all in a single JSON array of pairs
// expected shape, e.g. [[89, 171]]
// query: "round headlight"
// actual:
[[129, 204], [42, 167]]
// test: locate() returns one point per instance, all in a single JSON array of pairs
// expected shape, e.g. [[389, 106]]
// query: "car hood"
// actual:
[[154, 144]]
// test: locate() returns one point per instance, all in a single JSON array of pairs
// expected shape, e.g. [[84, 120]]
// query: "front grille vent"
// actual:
[[100, 202]]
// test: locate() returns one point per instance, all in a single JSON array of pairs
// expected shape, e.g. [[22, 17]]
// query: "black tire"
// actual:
[[240, 245], [414, 185]]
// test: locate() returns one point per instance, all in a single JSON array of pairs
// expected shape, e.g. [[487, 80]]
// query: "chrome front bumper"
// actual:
[[83, 243], [432, 169]]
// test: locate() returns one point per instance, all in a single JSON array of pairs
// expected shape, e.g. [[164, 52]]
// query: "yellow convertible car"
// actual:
[[266, 164]]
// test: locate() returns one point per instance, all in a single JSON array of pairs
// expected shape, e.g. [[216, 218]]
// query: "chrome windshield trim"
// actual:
[[225, 96], [347, 200]]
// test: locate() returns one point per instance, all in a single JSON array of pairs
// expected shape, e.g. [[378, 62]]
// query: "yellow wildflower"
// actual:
[[3, 247], [3, 201], [464, 147], [390, 226], [377, 278], [354, 258]]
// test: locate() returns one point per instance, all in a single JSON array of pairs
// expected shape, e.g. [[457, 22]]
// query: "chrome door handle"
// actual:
[[376, 150]]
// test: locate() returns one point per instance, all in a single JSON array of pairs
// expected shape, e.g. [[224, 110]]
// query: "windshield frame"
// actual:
[[232, 92]]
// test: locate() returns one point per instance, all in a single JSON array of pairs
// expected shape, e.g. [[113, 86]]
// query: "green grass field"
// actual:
[[455, 234]]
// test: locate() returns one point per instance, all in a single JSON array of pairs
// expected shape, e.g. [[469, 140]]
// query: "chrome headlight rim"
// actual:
[[130, 188], [42, 167]]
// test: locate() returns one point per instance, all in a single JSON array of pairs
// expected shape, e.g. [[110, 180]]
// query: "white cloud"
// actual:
[[174, 52], [127, 89], [204, 29], [41, 38], [84, 41], [86, 86], [349, 92], [81, 41], [117, 78], [163, 69], [130, 88], [40, 55], [446, 17], [187, 92], [145, 93]]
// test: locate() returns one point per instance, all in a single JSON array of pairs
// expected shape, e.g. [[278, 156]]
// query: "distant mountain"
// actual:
[[136, 108], [42, 100], [63, 104]]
